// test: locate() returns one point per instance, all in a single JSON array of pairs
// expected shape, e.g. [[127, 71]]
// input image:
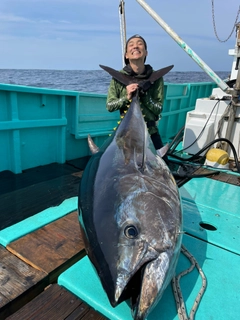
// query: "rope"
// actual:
[[214, 24], [122, 28], [182, 313]]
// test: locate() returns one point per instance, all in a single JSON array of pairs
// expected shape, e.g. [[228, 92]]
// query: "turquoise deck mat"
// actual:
[[214, 203], [227, 233], [220, 301], [211, 193], [37, 221]]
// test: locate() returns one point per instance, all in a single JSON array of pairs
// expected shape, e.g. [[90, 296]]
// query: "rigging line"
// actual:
[[214, 24]]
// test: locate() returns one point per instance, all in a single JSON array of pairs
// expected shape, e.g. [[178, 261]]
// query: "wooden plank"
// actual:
[[92, 314], [19, 282], [52, 248], [3, 300], [56, 303], [222, 176]]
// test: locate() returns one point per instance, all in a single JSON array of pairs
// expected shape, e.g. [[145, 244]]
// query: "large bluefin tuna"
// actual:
[[130, 216]]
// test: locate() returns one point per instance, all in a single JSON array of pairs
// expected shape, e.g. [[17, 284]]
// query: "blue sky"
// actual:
[[81, 34]]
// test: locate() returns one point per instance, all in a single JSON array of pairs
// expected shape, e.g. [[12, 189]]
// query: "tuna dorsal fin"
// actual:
[[93, 148], [126, 79]]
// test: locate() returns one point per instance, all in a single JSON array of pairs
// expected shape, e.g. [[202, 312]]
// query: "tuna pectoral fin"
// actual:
[[155, 280]]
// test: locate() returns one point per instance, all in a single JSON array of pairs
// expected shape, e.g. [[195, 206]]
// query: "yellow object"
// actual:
[[217, 155]]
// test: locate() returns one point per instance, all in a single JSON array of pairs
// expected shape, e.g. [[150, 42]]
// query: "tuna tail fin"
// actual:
[[126, 79], [121, 77], [159, 73]]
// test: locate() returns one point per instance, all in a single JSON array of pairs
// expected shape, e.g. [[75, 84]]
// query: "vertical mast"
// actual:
[[122, 28], [235, 92]]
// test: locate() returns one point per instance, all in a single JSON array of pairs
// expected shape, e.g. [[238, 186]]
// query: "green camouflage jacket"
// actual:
[[151, 102]]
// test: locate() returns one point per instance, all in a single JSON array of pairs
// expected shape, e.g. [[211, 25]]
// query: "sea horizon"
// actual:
[[95, 81]]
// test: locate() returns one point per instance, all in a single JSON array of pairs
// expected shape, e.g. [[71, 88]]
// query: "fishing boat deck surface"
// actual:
[[34, 190], [43, 268], [38, 244]]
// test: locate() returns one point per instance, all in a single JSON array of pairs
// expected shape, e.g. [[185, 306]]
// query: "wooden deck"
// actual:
[[52, 248], [56, 303], [30, 266], [19, 282], [32, 263]]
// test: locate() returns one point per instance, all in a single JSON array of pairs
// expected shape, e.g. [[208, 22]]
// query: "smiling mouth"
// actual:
[[136, 52]]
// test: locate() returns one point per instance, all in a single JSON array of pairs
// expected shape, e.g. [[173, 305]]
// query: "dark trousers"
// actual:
[[158, 144]]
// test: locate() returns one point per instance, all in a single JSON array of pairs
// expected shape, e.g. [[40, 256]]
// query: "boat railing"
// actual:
[[41, 126]]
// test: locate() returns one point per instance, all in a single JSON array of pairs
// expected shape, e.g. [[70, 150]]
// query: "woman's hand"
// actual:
[[131, 88]]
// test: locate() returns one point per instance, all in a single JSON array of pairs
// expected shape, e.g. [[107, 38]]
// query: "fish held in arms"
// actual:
[[130, 216]]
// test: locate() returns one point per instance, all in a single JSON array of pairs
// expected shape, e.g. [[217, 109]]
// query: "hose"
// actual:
[[194, 157], [174, 143]]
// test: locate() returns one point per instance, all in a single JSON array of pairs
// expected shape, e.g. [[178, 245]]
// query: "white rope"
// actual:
[[122, 28], [182, 314]]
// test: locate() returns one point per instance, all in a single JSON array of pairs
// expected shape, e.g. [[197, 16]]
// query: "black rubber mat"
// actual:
[[23, 195]]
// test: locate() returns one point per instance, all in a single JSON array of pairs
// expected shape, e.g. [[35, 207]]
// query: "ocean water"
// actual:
[[96, 81]]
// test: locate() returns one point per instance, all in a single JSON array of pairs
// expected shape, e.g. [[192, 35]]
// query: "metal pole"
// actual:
[[185, 47], [122, 28], [235, 94]]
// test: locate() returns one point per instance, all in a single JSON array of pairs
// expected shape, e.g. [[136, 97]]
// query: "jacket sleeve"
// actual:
[[117, 96], [153, 98]]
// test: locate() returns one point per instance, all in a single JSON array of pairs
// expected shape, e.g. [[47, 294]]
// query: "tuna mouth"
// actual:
[[145, 287], [132, 291], [130, 276], [134, 286]]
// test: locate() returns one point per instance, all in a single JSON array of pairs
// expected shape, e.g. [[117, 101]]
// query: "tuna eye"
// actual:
[[131, 232]]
